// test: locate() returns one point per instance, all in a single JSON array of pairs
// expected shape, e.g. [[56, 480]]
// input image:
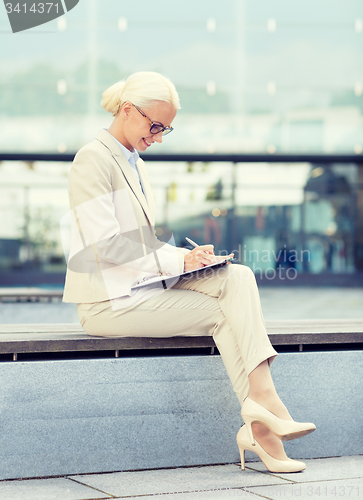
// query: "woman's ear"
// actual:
[[126, 108]]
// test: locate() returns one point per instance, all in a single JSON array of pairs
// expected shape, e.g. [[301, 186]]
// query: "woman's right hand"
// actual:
[[199, 257]]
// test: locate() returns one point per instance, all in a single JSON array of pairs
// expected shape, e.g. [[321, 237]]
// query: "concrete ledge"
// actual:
[[30, 294], [43, 338], [81, 416]]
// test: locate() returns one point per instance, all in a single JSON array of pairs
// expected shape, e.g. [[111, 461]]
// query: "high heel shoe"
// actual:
[[272, 464], [284, 429]]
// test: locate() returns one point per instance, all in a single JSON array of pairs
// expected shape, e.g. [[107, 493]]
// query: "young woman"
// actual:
[[114, 247]]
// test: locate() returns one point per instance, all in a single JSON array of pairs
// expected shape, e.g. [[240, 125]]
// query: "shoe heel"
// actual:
[[242, 453], [272, 464], [248, 421]]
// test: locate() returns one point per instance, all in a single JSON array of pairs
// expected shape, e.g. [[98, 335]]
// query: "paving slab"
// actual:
[[328, 490], [173, 481], [48, 489], [322, 469], [38, 312], [217, 494], [328, 478], [311, 302]]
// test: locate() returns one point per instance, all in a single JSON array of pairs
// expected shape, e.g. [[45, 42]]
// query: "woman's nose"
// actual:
[[158, 137]]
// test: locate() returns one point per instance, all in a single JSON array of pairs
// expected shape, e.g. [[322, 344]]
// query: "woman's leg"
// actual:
[[225, 305], [249, 371], [236, 290], [262, 390], [172, 313], [242, 340]]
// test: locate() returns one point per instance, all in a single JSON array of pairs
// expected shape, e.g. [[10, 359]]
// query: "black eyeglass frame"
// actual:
[[154, 125]]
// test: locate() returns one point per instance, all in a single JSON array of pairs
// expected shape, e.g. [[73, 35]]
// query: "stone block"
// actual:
[[98, 415]]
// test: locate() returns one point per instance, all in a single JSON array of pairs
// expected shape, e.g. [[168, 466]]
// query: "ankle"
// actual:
[[261, 395], [271, 401], [260, 431]]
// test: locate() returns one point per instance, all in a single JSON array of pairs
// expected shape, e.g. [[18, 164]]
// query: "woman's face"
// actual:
[[135, 131]]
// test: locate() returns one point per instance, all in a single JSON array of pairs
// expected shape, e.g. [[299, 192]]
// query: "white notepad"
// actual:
[[157, 279]]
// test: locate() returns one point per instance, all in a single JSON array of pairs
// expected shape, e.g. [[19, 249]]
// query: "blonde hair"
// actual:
[[143, 89]]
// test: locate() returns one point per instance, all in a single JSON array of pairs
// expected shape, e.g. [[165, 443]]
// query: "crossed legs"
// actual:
[[226, 305], [246, 350]]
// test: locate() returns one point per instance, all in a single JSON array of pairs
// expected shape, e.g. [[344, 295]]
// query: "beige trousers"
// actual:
[[224, 303]]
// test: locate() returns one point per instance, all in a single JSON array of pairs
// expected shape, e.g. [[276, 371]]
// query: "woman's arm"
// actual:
[[107, 239]]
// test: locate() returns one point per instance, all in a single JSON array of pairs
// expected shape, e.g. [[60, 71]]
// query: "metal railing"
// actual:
[[204, 157]]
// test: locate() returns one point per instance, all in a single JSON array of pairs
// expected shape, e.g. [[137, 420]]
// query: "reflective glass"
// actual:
[[252, 74]]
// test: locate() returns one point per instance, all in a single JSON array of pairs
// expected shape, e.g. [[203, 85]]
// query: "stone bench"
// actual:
[[73, 404], [70, 337]]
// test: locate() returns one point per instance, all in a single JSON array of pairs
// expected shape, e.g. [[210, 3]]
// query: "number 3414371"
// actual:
[[35, 8]]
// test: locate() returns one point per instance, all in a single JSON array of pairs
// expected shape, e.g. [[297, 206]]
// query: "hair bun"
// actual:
[[112, 97]]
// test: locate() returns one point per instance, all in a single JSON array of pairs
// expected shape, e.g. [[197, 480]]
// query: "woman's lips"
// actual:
[[147, 143]]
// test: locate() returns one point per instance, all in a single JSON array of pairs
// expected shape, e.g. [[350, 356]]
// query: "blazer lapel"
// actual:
[[104, 137], [147, 189]]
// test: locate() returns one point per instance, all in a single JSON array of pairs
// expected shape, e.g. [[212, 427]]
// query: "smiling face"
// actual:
[[132, 129]]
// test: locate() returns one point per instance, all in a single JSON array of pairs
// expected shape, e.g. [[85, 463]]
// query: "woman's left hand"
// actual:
[[221, 258]]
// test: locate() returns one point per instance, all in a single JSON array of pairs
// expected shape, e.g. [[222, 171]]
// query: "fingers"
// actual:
[[206, 248], [231, 255], [199, 257], [202, 256], [221, 258]]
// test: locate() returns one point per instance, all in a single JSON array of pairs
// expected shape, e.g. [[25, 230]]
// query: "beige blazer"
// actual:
[[112, 240]]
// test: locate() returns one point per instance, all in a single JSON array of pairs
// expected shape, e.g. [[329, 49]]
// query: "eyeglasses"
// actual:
[[155, 128]]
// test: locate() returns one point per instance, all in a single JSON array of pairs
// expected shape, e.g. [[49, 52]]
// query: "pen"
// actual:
[[192, 242]]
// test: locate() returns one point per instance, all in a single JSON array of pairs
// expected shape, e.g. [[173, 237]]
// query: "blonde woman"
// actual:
[[114, 248]]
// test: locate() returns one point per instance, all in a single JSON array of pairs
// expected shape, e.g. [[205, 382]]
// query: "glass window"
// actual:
[[253, 75]]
